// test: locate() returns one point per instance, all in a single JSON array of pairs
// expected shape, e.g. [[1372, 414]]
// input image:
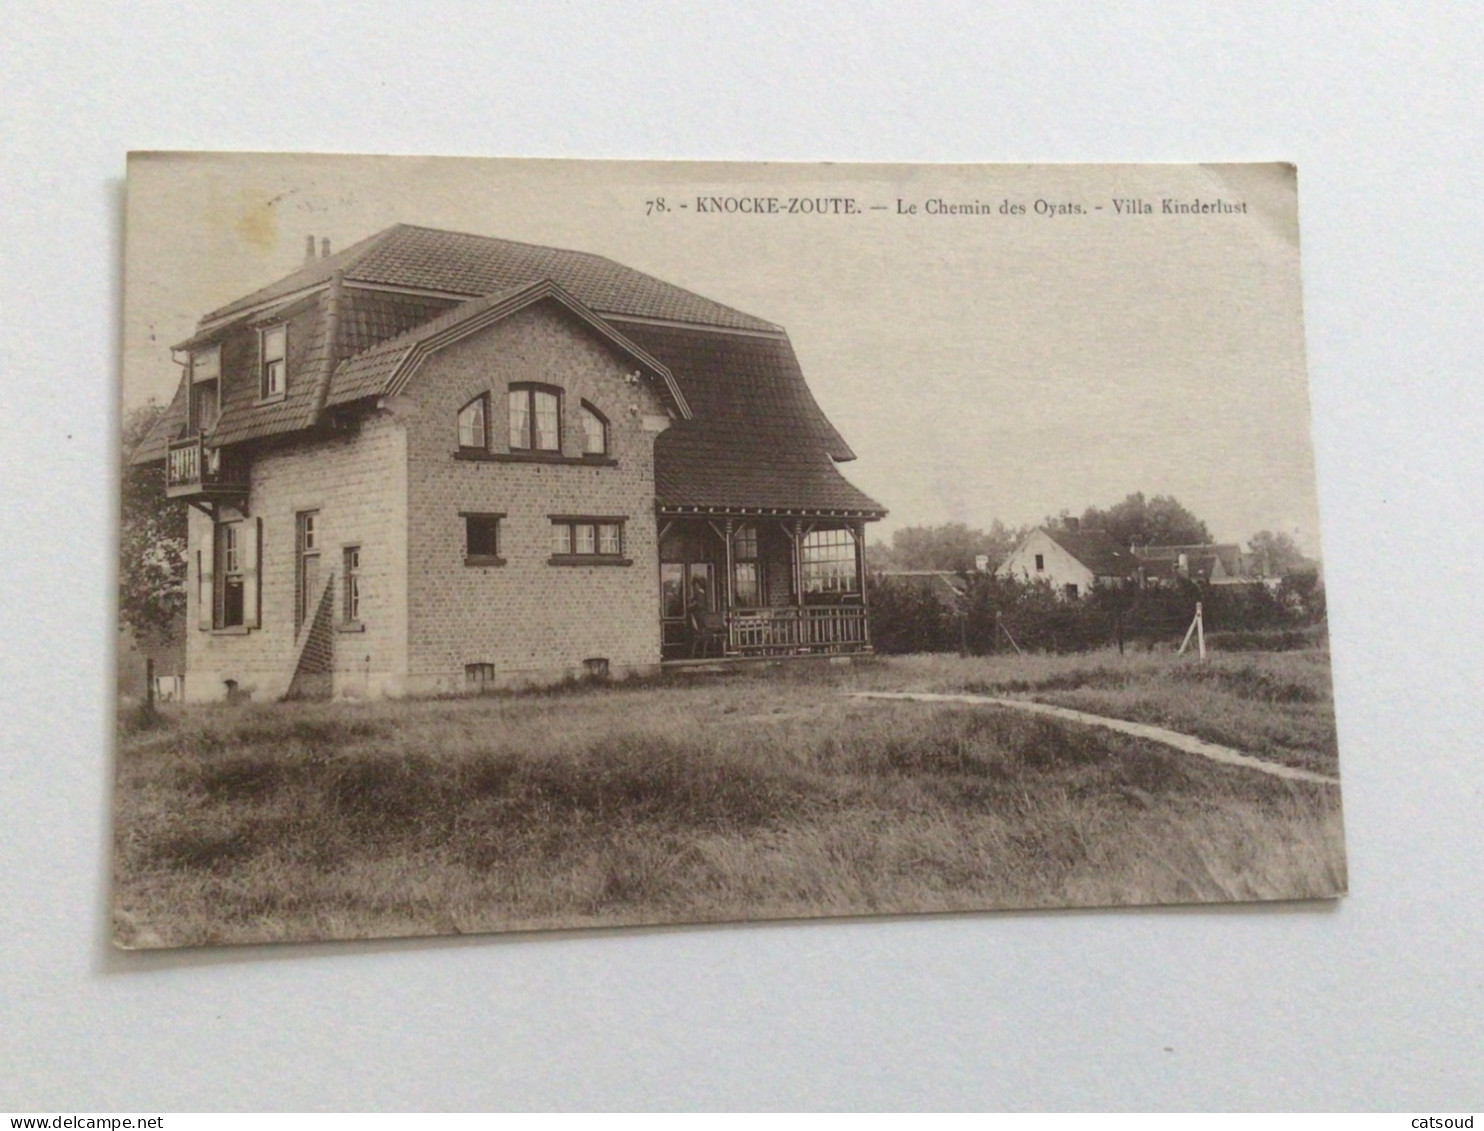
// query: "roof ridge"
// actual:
[[311, 268], [590, 255]]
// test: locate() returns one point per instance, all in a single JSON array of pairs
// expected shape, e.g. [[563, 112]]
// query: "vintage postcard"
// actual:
[[514, 544]]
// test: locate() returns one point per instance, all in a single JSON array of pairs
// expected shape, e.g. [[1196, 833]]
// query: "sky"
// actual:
[[983, 364]]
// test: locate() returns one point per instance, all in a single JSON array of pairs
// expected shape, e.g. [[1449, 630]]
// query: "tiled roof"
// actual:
[[465, 264], [758, 438], [700, 465], [366, 374], [387, 366], [1229, 553], [743, 384], [243, 417], [949, 588], [371, 317], [1096, 550]]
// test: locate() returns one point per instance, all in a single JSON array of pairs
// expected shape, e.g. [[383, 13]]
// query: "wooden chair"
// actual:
[[708, 629]]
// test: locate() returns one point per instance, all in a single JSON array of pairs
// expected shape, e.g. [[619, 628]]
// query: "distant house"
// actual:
[[1212, 564], [438, 461], [949, 588], [1070, 559]]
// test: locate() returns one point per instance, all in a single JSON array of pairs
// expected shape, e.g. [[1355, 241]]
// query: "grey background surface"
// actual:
[[1377, 1002]]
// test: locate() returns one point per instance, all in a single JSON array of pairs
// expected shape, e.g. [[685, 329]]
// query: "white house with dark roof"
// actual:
[[1071, 560], [438, 461]]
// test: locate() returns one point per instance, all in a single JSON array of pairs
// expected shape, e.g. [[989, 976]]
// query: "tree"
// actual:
[[952, 546], [1277, 554], [1137, 521], [152, 540]]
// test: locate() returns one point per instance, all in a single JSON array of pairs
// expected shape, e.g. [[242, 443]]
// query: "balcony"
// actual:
[[195, 472]]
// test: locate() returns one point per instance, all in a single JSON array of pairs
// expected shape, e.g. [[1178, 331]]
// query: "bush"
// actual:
[[906, 617]]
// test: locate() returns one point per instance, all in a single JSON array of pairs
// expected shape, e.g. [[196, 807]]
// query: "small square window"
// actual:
[[482, 539]]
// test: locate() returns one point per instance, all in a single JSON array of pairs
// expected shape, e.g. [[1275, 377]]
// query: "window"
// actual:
[[829, 562], [1040, 563], [581, 541], [594, 431], [535, 418], [206, 372], [273, 351], [482, 539], [479, 677], [229, 569], [351, 613], [306, 572], [745, 583], [227, 576], [1071, 591], [474, 424]]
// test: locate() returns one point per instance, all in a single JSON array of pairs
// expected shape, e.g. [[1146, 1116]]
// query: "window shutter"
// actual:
[[251, 550], [205, 590]]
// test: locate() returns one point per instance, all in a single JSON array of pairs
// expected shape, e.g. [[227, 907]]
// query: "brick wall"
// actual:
[[532, 620], [357, 482]]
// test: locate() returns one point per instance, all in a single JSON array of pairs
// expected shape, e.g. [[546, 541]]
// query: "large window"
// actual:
[[829, 562], [227, 576], [584, 541], [535, 418], [474, 424], [746, 589], [273, 355], [594, 431], [206, 384]]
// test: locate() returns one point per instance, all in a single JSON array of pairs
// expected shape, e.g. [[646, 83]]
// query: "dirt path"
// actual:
[[1186, 742]]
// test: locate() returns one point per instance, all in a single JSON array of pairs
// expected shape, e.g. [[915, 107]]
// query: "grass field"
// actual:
[[763, 793]]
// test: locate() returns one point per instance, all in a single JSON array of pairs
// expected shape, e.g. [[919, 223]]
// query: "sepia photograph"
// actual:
[[513, 545]]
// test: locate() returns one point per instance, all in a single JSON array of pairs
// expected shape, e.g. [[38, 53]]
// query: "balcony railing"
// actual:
[[796, 631], [193, 469]]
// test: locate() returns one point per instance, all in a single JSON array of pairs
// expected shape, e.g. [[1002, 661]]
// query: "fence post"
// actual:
[[149, 683], [1200, 630]]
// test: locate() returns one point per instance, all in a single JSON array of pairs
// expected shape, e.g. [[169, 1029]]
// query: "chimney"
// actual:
[[1071, 523], [1184, 565], [308, 249], [981, 563], [324, 247]]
